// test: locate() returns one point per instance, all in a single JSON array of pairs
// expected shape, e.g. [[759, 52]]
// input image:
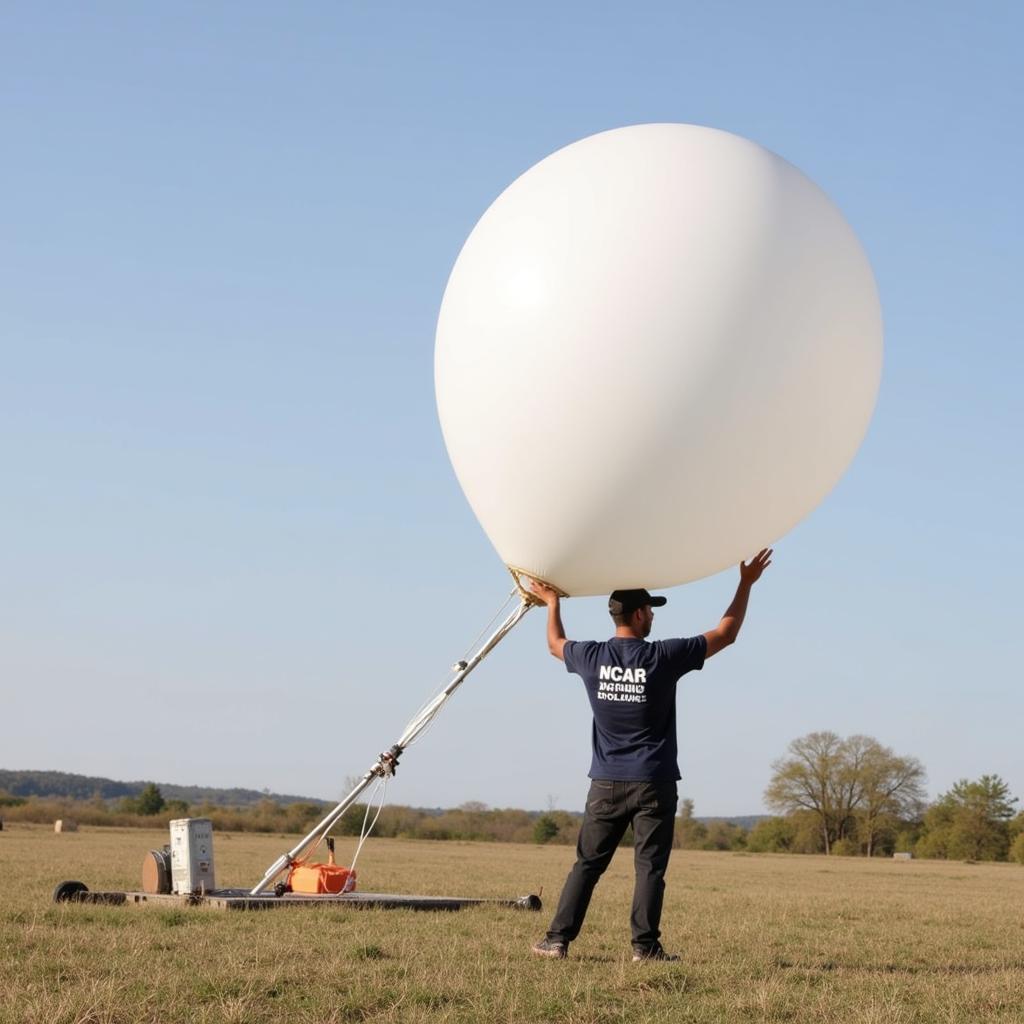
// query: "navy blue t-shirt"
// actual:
[[632, 689]]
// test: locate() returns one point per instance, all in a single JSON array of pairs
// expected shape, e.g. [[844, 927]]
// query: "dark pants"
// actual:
[[611, 808]]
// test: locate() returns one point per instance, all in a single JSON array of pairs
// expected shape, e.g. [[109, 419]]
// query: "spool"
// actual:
[[156, 871]]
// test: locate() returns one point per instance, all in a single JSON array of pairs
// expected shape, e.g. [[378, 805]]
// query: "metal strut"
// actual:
[[387, 762]]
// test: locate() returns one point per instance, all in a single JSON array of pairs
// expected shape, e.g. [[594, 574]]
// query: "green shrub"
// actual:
[[545, 830], [772, 835], [1017, 850]]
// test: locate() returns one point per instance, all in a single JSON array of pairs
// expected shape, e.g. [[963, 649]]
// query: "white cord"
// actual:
[[365, 832], [497, 615], [429, 720]]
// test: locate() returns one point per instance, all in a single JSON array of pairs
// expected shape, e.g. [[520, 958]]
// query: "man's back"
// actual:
[[631, 685]]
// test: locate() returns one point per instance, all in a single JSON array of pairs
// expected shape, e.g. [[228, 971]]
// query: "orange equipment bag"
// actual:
[[322, 878]]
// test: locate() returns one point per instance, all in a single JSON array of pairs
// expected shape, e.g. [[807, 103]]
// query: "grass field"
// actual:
[[763, 938]]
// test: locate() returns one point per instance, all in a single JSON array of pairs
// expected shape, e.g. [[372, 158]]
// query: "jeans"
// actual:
[[611, 808]]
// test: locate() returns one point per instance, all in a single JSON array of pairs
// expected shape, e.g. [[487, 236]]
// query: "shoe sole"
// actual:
[[548, 954]]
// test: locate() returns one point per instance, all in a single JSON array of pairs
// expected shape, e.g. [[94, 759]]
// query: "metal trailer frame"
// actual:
[[242, 899]]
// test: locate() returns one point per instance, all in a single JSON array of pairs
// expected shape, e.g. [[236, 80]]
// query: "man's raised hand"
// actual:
[[547, 594], [750, 572]]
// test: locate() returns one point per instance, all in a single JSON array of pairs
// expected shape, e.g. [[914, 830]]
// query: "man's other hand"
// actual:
[[750, 572]]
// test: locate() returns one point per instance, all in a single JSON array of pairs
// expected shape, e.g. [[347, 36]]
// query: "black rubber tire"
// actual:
[[68, 891]]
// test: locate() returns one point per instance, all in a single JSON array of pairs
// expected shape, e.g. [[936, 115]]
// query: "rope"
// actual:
[[502, 610], [364, 833], [494, 618]]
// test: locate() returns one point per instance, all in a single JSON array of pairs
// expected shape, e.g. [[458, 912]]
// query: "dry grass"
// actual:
[[764, 938]]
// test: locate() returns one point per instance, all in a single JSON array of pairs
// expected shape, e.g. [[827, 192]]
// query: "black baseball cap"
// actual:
[[625, 602]]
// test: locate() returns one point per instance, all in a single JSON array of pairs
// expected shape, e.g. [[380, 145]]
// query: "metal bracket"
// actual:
[[387, 763]]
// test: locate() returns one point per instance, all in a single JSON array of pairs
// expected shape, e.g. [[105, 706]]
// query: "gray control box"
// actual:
[[192, 855]]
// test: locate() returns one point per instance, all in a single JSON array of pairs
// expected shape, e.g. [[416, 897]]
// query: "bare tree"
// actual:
[[851, 785], [892, 790], [848, 785], [806, 780]]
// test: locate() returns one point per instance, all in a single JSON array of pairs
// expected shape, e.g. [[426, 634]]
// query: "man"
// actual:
[[632, 688]]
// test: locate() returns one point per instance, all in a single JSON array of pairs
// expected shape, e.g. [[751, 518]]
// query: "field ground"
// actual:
[[763, 938]]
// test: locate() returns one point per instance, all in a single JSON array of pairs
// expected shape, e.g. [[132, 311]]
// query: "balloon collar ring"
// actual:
[[528, 596]]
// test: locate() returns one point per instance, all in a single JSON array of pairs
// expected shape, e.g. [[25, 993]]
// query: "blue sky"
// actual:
[[234, 552]]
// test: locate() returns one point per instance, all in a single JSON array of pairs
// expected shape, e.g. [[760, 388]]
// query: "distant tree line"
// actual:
[[89, 787], [854, 796], [151, 810], [836, 796]]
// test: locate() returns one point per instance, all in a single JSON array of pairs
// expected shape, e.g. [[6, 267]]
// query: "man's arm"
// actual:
[[728, 629], [556, 633]]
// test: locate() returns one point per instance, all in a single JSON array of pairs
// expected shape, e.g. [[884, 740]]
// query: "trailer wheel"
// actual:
[[68, 891]]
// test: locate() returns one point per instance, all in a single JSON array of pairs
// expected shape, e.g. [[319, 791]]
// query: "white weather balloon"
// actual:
[[658, 350]]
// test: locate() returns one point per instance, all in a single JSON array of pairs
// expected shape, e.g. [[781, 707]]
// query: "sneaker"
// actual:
[[550, 948], [655, 952]]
